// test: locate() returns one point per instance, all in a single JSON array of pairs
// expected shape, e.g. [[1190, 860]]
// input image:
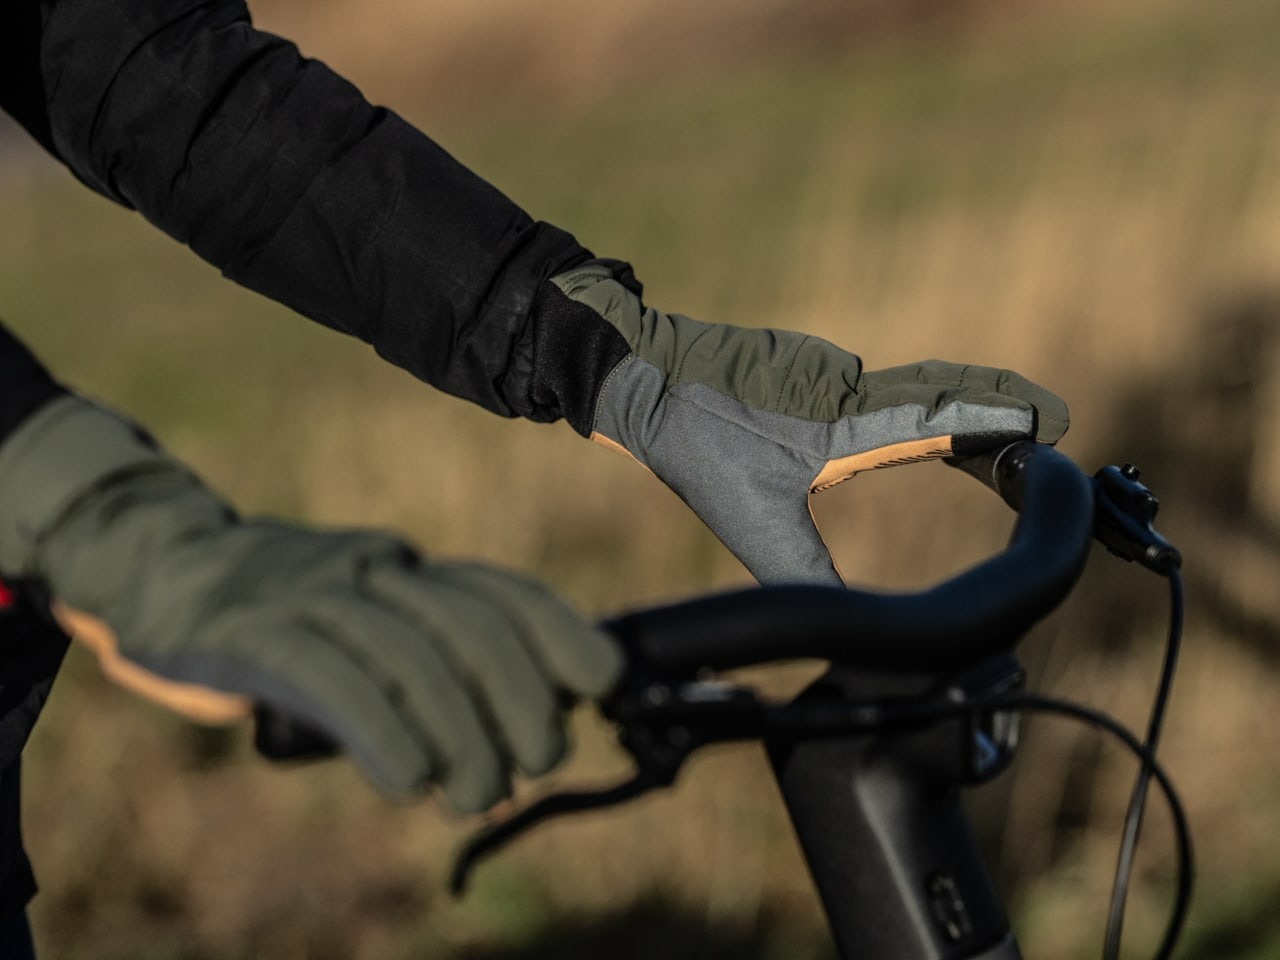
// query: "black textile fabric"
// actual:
[[31, 650], [22, 93], [24, 384], [574, 351], [17, 882], [278, 171], [15, 938]]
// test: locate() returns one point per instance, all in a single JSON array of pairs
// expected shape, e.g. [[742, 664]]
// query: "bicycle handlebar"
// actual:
[[979, 612], [920, 699], [966, 618]]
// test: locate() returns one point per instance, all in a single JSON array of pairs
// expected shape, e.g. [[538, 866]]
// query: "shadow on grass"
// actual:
[[660, 929], [1248, 929]]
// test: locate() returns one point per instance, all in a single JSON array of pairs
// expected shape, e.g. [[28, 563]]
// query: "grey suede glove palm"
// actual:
[[745, 424], [424, 673]]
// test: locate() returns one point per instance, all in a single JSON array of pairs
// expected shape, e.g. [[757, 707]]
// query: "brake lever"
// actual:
[[493, 838], [1125, 514], [660, 724], [1124, 509]]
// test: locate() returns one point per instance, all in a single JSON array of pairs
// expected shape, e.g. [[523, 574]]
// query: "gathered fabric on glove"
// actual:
[[744, 424], [424, 672]]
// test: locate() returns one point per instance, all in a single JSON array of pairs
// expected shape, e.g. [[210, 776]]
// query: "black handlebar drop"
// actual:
[[956, 623]]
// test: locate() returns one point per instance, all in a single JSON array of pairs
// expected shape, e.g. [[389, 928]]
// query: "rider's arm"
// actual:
[[424, 672], [279, 172]]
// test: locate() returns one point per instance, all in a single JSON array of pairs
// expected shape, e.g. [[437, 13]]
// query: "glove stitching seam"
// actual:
[[790, 449], [675, 378], [786, 379], [711, 411], [604, 387]]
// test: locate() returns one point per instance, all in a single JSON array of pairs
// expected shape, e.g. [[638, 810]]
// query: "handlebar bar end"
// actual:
[[998, 469]]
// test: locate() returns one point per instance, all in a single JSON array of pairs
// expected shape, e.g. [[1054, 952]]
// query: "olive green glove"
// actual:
[[745, 424], [422, 672]]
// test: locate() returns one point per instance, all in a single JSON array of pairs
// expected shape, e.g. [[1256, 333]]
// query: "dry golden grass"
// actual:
[[1091, 197]]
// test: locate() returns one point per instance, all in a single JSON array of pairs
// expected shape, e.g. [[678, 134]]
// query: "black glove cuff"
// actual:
[[573, 350]]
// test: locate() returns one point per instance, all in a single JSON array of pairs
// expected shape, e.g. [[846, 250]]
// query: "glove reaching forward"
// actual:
[[423, 673], [745, 424]]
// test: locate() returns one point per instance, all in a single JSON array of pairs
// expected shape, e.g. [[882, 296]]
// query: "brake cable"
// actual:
[[1125, 514], [1137, 800]]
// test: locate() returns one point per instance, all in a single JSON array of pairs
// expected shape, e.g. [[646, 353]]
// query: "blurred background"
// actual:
[[1087, 192]]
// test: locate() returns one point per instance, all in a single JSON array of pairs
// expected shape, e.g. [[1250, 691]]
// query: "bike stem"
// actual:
[[881, 825]]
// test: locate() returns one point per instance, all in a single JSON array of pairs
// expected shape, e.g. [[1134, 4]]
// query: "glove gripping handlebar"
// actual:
[[973, 615]]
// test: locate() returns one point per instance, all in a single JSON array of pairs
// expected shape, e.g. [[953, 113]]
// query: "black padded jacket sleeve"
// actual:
[[22, 94], [280, 173]]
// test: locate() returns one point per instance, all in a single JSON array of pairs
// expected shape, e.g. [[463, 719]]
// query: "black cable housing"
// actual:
[[1137, 800], [1151, 769]]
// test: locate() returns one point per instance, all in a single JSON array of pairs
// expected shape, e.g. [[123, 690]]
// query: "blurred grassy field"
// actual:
[[1087, 193]]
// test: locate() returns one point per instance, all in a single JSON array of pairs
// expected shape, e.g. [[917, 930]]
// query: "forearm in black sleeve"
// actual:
[[22, 94], [25, 385], [279, 172]]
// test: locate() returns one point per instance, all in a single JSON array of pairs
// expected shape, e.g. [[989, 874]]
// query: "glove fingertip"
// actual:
[[400, 769], [598, 666], [477, 790], [1051, 429], [1052, 416], [395, 782], [551, 747]]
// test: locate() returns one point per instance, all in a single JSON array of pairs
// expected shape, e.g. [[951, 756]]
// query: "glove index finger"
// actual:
[[972, 382], [1052, 417], [974, 404]]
